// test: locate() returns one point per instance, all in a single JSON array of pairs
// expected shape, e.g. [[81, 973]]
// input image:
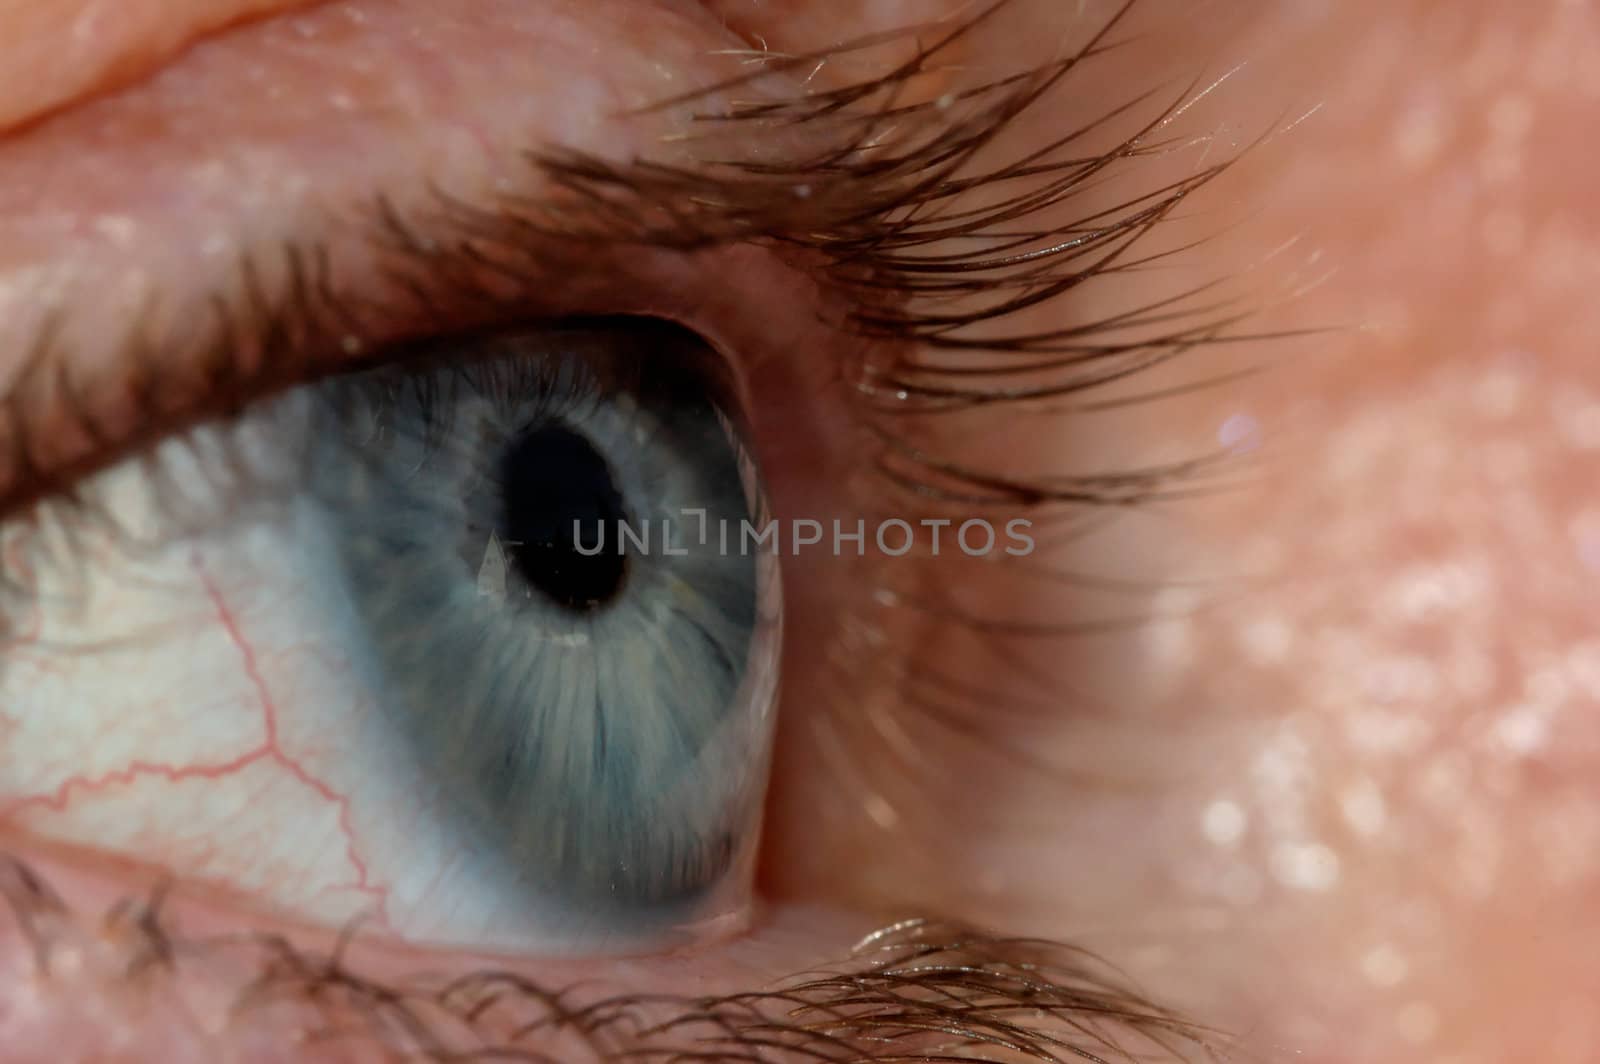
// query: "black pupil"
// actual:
[[551, 477]]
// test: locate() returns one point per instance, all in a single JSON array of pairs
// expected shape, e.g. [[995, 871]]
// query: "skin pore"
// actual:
[[1331, 790]]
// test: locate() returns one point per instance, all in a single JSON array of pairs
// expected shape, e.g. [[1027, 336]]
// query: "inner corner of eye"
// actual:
[[457, 643]]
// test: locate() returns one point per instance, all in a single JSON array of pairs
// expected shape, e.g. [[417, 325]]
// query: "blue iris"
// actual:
[[581, 712]]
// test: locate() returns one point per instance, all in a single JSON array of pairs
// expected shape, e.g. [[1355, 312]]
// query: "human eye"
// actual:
[[546, 747], [260, 785], [361, 758], [363, 362]]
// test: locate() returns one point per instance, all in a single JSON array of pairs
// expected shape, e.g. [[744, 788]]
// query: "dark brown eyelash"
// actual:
[[915, 990], [877, 210]]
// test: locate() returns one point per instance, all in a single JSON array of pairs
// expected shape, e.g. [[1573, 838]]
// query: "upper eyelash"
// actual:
[[872, 201], [871, 206]]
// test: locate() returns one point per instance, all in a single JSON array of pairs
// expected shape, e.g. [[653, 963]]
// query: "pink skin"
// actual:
[[1344, 805], [56, 54]]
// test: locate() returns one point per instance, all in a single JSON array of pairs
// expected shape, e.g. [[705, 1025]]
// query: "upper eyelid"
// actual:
[[101, 228], [861, 195], [101, 298]]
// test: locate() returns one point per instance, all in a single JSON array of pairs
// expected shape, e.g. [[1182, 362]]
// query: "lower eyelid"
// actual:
[[97, 966], [167, 967]]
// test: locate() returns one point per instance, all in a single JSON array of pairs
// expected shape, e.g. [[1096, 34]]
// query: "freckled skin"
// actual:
[[1345, 803], [1394, 695]]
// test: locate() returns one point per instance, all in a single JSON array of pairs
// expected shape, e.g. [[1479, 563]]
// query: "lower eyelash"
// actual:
[[942, 990]]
